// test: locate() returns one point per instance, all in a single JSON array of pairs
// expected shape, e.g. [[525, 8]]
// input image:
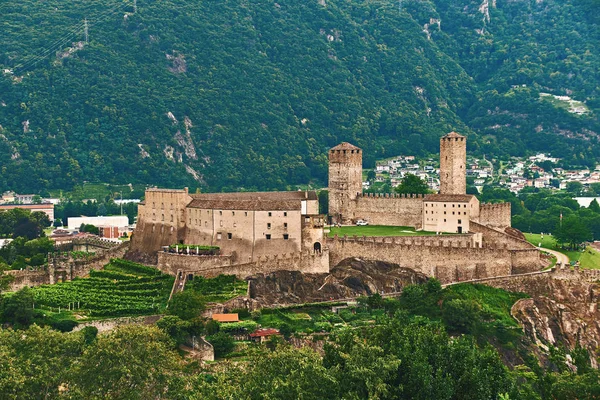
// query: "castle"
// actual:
[[450, 211], [262, 232]]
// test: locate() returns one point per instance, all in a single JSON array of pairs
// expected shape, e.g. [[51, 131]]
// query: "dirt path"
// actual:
[[560, 257]]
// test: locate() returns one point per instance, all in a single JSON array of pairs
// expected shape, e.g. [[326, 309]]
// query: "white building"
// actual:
[[118, 221]]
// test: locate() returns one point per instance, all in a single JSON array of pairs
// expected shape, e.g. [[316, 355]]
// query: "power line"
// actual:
[[35, 58]]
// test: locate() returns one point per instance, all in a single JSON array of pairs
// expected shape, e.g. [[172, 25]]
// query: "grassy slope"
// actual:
[[376, 230], [590, 258]]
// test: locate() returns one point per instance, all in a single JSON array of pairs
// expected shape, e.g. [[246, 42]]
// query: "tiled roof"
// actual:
[[345, 146], [268, 196], [459, 198], [257, 205], [264, 332], [226, 317]]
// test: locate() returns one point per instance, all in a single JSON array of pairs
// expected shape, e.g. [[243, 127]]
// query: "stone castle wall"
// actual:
[[64, 268], [452, 261], [495, 215], [209, 267], [494, 236], [390, 209]]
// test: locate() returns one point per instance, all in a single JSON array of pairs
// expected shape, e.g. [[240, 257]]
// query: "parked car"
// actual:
[[362, 222]]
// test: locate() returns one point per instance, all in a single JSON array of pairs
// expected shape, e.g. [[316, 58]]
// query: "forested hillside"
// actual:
[[239, 94]]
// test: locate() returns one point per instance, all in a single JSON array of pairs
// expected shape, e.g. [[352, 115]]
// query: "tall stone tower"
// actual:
[[453, 164], [345, 181]]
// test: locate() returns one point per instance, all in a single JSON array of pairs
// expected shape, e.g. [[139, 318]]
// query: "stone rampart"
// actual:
[[64, 267], [494, 236], [211, 266], [449, 261], [27, 278], [495, 215], [106, 325], [390, 209], [170, 263]]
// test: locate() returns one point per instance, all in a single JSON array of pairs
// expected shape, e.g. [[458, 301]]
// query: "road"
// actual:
[[560, 257]]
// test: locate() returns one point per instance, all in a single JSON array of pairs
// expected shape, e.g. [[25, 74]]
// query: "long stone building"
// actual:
[[262, 232]]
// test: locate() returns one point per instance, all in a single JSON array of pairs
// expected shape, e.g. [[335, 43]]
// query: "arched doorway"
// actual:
[[317, 247]]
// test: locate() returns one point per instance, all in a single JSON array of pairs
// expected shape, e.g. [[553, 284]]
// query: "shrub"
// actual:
[[461, 315], [222, 343]]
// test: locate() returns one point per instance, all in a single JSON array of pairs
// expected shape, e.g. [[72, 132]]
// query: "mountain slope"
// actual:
[[238, 94]]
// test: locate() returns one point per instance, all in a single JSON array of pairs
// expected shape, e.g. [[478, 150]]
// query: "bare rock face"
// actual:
[[568, 316], [351, 278]]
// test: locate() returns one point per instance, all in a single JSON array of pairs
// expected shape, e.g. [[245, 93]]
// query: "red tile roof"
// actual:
[[226, 317], [264, 332]]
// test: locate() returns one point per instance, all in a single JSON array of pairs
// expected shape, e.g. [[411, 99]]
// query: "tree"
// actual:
[[222, 342], [175, 327], [461, 315], [572, 231], [18, 308], [58, 222], [324, 202], [89, 228], [574, 188], [186, 305], [412, 184], [594, 206], [130, 362]]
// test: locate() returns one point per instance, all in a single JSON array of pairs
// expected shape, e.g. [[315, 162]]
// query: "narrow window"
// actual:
[[233, 213], [452, 212], [218, 235], [220, 212], [221, 223], [230, 236], [268, 237], [444, 219], [163, 217], [269, 225], [285, 224], [245, 213], [286, 236], [285, 214], [171, 218], [460, 221], [270, 213]]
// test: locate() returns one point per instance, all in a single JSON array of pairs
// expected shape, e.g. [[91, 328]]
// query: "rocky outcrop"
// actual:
[[350, 278], [567, 316]]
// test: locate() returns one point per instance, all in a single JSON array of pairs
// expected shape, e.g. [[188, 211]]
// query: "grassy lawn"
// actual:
[[590, 258], [376, 230]]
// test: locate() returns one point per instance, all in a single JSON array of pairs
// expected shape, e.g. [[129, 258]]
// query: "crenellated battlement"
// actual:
[[391, 195], [456, 241]]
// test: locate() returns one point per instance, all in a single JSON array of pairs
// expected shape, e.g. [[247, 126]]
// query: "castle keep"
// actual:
[[262, 232]]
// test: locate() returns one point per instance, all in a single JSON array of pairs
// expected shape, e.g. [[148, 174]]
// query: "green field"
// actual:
[[376, 230], [590, 258]]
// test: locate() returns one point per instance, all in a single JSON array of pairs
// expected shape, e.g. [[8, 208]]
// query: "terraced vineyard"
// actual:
[[121, 288]]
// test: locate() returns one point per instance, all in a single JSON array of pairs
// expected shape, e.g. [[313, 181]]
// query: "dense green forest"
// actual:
[[249, 95], [431, 343]]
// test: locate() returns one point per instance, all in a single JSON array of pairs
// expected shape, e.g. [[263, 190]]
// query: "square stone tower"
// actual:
[[453, 164], [345, 181]]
